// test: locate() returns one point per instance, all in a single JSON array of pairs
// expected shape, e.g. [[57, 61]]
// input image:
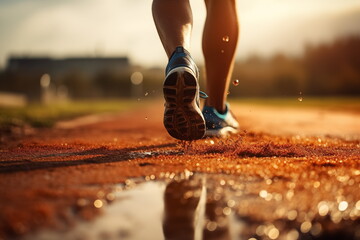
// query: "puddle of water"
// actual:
[[205, 206], [134, 214]]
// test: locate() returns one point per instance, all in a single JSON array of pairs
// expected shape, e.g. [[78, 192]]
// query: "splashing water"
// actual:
[[300, 99]]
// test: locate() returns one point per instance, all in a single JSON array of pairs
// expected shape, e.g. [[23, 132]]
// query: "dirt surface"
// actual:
[[49, 178]]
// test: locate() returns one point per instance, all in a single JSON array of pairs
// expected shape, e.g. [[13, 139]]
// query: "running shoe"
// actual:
[[183, 118], [220, 124]]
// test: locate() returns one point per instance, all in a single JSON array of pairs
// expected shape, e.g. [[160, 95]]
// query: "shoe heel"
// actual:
[[182, 117]]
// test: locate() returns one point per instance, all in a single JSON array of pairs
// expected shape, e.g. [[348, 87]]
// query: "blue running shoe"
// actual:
[[183, 118], [220, 124]]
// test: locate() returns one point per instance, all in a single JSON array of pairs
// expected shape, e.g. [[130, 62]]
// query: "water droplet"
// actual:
[[292, 215], [138, 99], [343, 205], [289, 194], [343, 179], [226, 211], [231, 203], [291, 185], [268, 197], [316, 184], [236, 82], [146, 94], [222, 51], [146, 118], [100, 194], [228, 93], [357, 205], [260, 230], [305, 227], [82, 202], [129, 182], [336, 217], [316, 229], [292, 235], [263, 193], [278, 197], [300, 99], [211, 226], [110, 196], [225, 38], [273, 233], [98, 203]]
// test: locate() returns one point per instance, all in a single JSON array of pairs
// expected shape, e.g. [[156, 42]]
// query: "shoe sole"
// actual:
[[183, 118]]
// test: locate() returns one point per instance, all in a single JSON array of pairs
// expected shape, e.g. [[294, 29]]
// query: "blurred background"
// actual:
[[58, 51]]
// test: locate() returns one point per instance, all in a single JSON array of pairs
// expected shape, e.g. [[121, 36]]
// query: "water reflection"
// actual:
[[216, 206], [185, 204]]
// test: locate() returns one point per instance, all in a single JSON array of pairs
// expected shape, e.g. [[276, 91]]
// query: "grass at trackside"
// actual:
[[38, 115], [350, 104]]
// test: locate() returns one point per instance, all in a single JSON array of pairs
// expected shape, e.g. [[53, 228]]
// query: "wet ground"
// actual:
[[290, 174]]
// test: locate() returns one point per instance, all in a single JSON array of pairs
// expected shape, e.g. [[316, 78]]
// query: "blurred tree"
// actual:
[[334, 68], [326, 69], [21, 82], [277, 76]]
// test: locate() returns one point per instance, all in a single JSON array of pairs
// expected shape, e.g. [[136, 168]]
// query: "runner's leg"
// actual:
[[183, 118], [173, 20], [220, 39]]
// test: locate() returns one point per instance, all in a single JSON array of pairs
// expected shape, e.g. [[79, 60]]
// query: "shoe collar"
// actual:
[[181, 52], [218, 114]]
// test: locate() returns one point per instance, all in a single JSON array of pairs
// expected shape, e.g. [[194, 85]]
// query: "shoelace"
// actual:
[[203, 95]]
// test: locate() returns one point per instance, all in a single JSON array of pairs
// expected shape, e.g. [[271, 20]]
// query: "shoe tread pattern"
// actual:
[[182, 117]]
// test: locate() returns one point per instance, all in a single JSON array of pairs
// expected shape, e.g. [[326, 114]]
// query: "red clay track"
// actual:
[[44, 174]]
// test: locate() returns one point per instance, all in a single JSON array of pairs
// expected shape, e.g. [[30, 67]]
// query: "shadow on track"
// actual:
[[107, 156]]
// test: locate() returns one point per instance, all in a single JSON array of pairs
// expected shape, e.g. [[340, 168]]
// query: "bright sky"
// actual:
[[125, 27]]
